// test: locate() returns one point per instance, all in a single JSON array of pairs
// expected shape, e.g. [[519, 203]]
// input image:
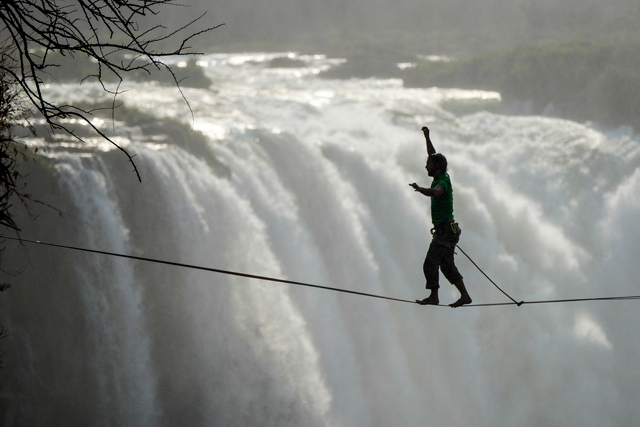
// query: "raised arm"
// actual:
[[430, 149]]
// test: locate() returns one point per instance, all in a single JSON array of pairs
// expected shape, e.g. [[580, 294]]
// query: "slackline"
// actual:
[[310, 285]]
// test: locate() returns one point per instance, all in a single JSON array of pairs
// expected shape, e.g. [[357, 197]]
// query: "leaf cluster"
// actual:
[[9, 176], [3, 335]]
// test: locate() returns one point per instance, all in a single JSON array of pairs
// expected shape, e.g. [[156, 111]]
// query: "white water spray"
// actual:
[[309, 183]]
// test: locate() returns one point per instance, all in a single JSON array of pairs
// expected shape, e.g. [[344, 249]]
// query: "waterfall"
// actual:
[[288, 175]]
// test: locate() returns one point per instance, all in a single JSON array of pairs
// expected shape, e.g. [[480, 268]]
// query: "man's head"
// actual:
[[436, 164]]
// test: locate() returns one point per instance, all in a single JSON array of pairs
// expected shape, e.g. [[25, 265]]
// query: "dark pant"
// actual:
[[440, 255]]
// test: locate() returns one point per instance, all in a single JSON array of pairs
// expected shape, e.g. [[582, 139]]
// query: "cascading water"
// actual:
[[306, 179]]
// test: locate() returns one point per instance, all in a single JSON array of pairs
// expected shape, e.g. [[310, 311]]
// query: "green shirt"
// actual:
[[442, 206]]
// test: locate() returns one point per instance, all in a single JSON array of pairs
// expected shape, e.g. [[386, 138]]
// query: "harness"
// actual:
[[447, 233]]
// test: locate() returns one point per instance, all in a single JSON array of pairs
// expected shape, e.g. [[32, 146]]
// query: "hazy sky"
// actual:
[[487, 22]]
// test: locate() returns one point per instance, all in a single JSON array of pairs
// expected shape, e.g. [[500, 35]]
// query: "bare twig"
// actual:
[[104, 30]]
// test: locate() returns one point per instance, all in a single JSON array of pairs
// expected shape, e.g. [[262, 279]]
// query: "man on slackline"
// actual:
[[445, 231]]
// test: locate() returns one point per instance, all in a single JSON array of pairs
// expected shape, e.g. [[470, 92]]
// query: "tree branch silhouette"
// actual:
[[115, 34]]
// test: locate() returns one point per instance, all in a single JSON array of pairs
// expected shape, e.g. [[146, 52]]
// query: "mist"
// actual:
[[295, 176], [459, 26], [287, 173]]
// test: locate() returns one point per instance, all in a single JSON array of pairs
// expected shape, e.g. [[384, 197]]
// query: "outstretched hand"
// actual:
[[415, 186], [425, 130]]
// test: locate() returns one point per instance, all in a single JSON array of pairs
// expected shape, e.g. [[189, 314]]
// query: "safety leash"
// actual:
[[489, 278]]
